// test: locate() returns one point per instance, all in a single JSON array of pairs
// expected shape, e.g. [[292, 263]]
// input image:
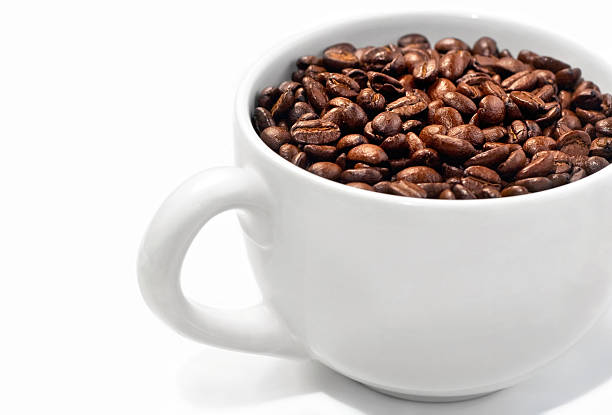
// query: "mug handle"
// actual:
[[255, 329]]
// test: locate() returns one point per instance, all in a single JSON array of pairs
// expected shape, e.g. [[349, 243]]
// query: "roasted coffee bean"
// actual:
[[459, 102], [387, 123], [453, 64], [349, 141], [515, 162], [275, 137], [538, 167], [540, 143], [419, 174], [406, 188], [440, 87], [491, 110], [459, 123], [448, 117], [452, 147], [367, 175], [469, 133], [514, 191], [574, 143], [450, 43], [485, 46], [315, 132], [535, 184], [494, 133], [262, 119], [602, 147], [320, 152], [326, 170], [367, 153]]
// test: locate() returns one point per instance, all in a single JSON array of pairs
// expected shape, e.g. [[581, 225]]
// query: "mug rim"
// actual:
[[243, 107]]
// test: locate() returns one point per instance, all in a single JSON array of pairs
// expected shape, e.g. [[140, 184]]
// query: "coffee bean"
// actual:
[[440, 87], [451, 43], [483, 173], [453, 64], [262, 118], [469, 133], [367, 175], [407, 106], [520, 81], [602, 147], [461, 192], [288, 151], [349, 141], [339, 58], [574, 143], [535, 184], [268, 97], [326, 170], [492, 88], [371, 101], [459, 102], [412, 126], [315, 92], [452, 147], [527, 102], [566, 78], [538, 167], [559, 179], [412, 38], [509, 65], [515, 162], [299, 110], [595, 163], [473, 92], [588, 99], [419, 174], [514, 191], [407, 189], [540, 143], [387, 123], [354, 118], [447, 194], [300, 160], [603, 127], [494, 133], [275, 137], [448, 117], [489, 158], [385, 84], [320, 152], [485, 46], [367, 153], [517, 132], [359, 185], [491, 110], [578, 173], [315, 132], [283, 104], [548, 63]]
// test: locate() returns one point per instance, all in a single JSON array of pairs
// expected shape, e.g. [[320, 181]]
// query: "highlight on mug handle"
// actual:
[[254, 329]]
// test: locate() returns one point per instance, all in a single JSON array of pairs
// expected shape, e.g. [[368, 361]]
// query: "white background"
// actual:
[[106, 106]]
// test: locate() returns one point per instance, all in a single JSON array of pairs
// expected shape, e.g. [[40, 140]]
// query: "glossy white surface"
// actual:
[[79, 190], [438, 299]]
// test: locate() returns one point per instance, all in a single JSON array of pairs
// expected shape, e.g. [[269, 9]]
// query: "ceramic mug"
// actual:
[[424, 299]]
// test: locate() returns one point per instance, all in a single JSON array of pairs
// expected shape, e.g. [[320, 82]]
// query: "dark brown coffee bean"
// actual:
[[320, 152], [334, 115], [473, 92], [450, 43], [496, 133], [407, 106], [338, 58], [520, 81], [459, 102], [387, 123], [590, 117], [447, 194], [490, 158], [288, 151], [538, 167], [300, 160], [359, 185], [304, 62], [371, 101], [492, 88], [552, 112], [419, 174], [315, 132], [414, 126], [567, 77], [540, 143], [326, 170], [588, 99], [468, 132], [426, 71], [375, 59], [440, 87], [349, 141], [578, 173], [527, 102], [461, 192], [427, 133], [448, 117], [603, 127], [367, 153], [574, 143], [354, 118], [483, 173], [426, 157], [493, 144], [315, 92], [551, 64], [606, 104], [449, 172], [545, 77], [535, 184], [407, 189], [514, 191], [559, 179], [453, 64], [396, 144], [433, 190], [527, 56], [491, 110], [517, 132], [485, 46], [282, 105], [412, 38], [595, 163], [515, 162], [455, 148], [602, 147], [545, 93], [367, 175], [275, 137], [268, 97], [298, 110], [339, 85], [385, 84], [262, 119], [489, 192], [432, 107], [508, 65]]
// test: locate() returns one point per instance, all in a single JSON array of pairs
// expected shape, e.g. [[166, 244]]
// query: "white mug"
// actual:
[[417, 298]]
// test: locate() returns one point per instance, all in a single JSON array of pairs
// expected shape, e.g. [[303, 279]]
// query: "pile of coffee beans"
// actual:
[[446, 122]]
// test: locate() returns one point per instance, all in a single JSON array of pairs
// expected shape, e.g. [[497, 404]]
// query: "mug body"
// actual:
[[426, 297]]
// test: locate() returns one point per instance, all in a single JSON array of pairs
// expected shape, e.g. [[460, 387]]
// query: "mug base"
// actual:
[[429, 399]]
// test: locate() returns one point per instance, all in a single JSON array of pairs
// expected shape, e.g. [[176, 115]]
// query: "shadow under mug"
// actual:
[[422, 299]]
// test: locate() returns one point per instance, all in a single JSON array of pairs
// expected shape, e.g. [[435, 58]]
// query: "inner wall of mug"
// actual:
[[383, 29]]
